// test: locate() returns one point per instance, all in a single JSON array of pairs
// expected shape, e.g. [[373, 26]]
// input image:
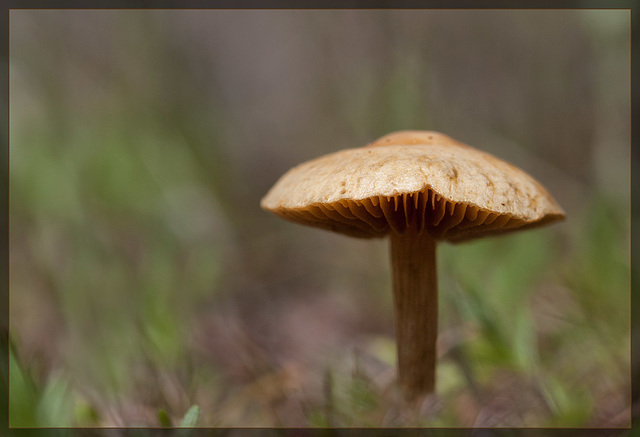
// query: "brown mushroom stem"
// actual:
[[415, 295]]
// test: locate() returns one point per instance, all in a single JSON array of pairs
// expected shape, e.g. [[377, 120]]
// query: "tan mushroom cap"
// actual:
[[421, 180]]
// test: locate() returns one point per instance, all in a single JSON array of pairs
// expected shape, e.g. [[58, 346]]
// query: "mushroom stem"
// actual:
[[415, 296]]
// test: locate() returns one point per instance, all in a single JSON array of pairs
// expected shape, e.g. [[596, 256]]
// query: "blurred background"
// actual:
[[145, 279]]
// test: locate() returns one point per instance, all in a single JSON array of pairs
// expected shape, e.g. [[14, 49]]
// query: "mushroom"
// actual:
[[417, 187]]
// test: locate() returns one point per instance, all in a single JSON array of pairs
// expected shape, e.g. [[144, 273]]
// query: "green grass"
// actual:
[[107, 236], [127, 281]]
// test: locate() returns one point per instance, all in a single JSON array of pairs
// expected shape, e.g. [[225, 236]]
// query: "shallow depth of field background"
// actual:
[[145, 278]]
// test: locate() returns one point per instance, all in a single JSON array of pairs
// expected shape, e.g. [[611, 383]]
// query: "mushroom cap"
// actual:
[[420, 180]]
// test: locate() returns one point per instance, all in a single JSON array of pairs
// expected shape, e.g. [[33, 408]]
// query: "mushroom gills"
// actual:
[[421, 211]]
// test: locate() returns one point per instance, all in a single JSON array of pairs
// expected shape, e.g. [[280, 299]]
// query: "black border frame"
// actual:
[[631, 5]]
